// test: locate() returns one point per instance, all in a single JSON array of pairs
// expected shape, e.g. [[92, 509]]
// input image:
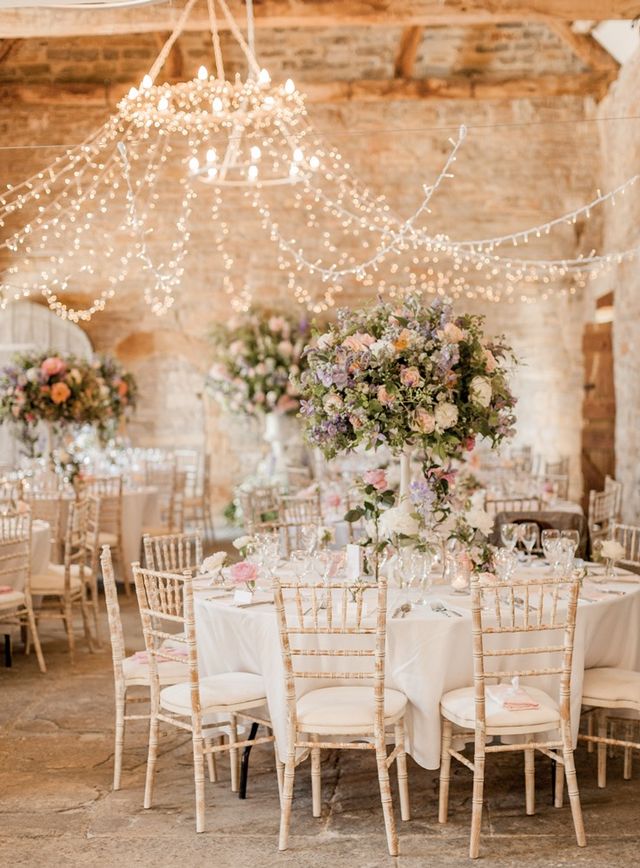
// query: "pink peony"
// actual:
[[377, 478], [358, 342], [384, 397], [53, 366], [410, 377], [423, 421], [244, 573], [59, 393], [451, 334]]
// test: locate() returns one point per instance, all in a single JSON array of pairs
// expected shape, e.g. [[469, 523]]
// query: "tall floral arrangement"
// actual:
[[254, 358], [408, 375], [63, 391]]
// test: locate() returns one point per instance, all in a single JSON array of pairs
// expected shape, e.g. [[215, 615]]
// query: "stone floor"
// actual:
[[57, 807]]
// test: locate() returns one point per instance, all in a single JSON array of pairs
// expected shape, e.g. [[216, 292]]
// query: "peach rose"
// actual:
[[490, 361], [59, 393], [384, 397], [410, 377], [53, 366], [424, 421], [404, 339], [451, 333], [377, 478], [358, 342], [122, 388]]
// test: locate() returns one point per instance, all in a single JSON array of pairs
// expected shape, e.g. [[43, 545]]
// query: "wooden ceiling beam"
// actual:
[[455, 88], [584, 46], [43, 22], [407, 52]]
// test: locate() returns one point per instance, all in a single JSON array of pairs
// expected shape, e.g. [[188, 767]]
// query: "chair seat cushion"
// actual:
[[52, 582], [216, 691], [347, 709], [609, 687], [136, 670], [11, 599], [459, 707]]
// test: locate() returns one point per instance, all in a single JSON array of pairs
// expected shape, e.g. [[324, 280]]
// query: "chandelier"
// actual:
[[120, 206]]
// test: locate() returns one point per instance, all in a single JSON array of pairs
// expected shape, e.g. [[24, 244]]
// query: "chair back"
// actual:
[[108, 489], [76, 550], [556, 468], [170, 483], [536, 609], [116, 633], [50, 507], [259, 509], [92, 539], [602, 513], [15, 550], [296, 514], [556, 484], [173, 553], [612, 485], [298, 478], [511, 504], [11, 491], [323, 626], [628, 536], [166, 608], [189, 463]]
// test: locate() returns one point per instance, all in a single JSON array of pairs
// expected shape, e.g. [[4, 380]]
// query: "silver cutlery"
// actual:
[[402, 610], [441, 609]]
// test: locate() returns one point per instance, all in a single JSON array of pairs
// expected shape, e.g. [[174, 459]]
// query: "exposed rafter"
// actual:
[[584, 46], [38, 22], [406, 57]]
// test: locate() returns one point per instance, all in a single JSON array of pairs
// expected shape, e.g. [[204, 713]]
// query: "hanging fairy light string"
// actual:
[[127, 195]]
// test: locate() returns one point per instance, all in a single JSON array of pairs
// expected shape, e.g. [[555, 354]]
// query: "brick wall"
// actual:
[[508, 176]]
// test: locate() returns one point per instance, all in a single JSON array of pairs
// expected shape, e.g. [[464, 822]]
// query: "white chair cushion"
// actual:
[[11, 599], [459, 707], [52, 581], [609, 687], [136, 671], [216, 691], [346, 709]]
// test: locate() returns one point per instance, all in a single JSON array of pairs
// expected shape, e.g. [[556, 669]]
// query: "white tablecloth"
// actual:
[[40, 546], [427, 655]]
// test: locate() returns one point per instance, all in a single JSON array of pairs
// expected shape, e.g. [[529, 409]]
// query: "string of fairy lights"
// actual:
[[211, 164]]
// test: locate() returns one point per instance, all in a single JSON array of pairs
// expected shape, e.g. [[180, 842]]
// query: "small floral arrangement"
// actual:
[[243, 545], [408, 375], [253, 361], [377, 503], [244, 573], [609, 550], [214, 563], [63, 391]]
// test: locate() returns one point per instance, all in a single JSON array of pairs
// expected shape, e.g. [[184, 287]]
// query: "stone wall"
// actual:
[[621, 159], [517, 167]]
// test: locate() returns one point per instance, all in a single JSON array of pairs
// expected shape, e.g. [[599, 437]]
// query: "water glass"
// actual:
[[529, 536], [509, 534]]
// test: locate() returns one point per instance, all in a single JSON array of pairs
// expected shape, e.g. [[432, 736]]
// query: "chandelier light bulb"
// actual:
[[163, 104], [256, 153], [216, 105], [264, 78], [211, 173], [252, 174], [146, 83], [203, 73], [289, 86], [298, 156], [314, 162], [194, 165], [133, 93], [212, 155]]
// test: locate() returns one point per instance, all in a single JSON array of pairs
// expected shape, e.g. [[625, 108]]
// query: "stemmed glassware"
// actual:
[[509, 534], [529, 537], [550, 540], [424, 561]]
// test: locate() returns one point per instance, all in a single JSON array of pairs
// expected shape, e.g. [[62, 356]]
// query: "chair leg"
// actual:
[[71, 639], [530, 781], [385, 795], [286, 800], [33, 632], [602, 751], [628, 762], [445, 771], [84, 609], [590, 747], [279, 771], [478, 795], [316, 780], [7, 650], [234, 755], [244, 763], [559, 787], [152, 758], [95, 611], [119, 746], [198, 779], [211, 762], [572, 785], [403, 779], [125, 569]]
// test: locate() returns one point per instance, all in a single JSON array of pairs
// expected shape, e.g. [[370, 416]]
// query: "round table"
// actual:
[[427, 653]]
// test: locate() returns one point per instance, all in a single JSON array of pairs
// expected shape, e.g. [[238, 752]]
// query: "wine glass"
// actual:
[[573, 535], [509, 533], [566, 554], [402, 572], [529, 537], [426, 579], [550, 540]]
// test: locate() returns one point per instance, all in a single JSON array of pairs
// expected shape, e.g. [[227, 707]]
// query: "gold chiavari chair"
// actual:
[[16, 605], [323, 625], [11, 492], [197, 489], [298, 478], [601, 515], [173, 553], [556, 468], [540, 610], [166, 602], [612, 485], [557, 484], [296, 515], [494, 505], [259, 508], [64, 586], [129, 672], [169, 482], [109, 490], [50, 506]]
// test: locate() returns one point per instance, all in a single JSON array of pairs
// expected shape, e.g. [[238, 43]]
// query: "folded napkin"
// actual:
[[511, 696]]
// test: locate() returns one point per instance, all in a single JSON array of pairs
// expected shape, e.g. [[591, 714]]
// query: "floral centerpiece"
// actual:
[[408, 376], [253, 360], [62, 391]]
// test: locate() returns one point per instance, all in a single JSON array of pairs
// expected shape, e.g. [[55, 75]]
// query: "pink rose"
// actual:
[[490, 361], [384, 397], [377, 478], [244, 573], [356, 422], [59, 393], [358, 342], [53, 366], [451, 334], [410, 377], [423, 421], [334, 501]]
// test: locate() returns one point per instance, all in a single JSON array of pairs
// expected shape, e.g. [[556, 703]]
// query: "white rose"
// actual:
[[32, 375], [451, 333], [480, 520], [612, 549], [378, 348], [480, 391], [332, 403], [446, 416], [324, 341], [213, 563], [241, 542], [398, 520]]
